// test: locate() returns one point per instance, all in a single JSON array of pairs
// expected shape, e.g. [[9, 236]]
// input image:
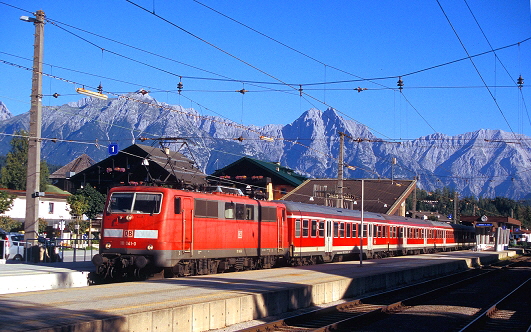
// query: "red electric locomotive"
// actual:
[[147, 230]]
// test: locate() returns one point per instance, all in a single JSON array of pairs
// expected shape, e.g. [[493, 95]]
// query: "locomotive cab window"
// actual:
[[140, 203]]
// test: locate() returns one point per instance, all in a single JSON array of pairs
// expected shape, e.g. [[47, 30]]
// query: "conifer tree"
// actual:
[[13, 174]]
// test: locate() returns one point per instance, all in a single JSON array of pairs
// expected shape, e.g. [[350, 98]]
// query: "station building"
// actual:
[[492, 233]]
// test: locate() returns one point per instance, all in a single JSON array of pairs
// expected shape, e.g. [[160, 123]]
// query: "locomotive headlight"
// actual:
[[150, 247], [108, 245], [129, 217]]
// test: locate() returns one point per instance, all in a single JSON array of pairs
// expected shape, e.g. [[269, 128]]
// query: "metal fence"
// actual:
[[49, 250]]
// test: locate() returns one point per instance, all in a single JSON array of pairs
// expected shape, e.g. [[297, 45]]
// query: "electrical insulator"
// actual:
[[242, 91], [300, 90], [180, 87], [520, 82], [400, 83], [55, 95], [99, 88]]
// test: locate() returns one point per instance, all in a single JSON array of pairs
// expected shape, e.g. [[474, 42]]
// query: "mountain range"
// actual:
[[483, 163]]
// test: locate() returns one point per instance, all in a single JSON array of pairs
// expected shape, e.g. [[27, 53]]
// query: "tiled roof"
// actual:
[[77, 165], [380, 195], [177, 166], [284, 173]]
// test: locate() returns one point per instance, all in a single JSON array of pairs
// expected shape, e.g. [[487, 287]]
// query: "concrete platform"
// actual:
[[17, 277], [215, 301]]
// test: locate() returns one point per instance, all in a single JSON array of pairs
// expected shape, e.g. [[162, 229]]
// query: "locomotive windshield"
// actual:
[[135, 203]]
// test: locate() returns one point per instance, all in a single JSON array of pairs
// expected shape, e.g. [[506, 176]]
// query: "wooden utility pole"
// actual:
[[340, 166], [455, 219], [31, 225]]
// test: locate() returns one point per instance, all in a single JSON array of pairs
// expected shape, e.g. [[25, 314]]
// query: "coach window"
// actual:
[[354, 230], [229, 211], [349, 225], [177, 205], [385, 231], [365, 228], [342, 229], [321, 228], [305, 224], [297, 228], [314, 228], [336, 229]]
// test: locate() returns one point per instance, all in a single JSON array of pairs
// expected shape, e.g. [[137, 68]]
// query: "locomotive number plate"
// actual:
[[129, 233]]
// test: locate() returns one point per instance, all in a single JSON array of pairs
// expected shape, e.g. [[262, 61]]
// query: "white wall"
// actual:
[[61, 209]]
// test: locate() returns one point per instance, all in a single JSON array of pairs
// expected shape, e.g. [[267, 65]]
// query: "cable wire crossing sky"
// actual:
[[405, 70]]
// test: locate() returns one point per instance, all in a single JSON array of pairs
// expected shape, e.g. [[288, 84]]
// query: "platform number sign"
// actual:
[[113, 149]]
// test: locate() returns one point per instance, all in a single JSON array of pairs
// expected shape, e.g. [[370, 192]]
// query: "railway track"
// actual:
[[470, 301]]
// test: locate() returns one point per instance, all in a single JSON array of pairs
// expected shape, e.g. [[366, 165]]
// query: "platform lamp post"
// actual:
[[31, 225], [361, 223]]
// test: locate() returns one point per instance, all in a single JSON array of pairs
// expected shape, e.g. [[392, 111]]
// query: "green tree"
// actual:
[[13, 174], [9, 225], [95, 200], [78, 205], [6, 201]]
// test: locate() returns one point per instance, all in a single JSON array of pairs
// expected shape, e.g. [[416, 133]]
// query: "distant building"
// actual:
[[141, 165], [53, 207], [380, 195], [492, 233], [254, 175], [61, 177]]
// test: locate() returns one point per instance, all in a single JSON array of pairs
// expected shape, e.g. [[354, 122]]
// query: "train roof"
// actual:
[[319, 209]]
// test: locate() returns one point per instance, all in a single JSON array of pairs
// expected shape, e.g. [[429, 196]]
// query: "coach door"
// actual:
[[187, 209], [328, 236]]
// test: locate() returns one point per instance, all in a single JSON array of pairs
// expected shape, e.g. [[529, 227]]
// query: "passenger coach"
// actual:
[[323, 234]]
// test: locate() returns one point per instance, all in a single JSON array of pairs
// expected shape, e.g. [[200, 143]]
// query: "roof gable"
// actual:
[[75, 166], [380, 195], [246, 165]]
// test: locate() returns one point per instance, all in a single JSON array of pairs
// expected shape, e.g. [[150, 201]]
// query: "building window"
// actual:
[[50, 208]]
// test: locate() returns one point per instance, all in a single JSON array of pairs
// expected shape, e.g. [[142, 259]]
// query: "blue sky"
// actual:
[[334, 41]]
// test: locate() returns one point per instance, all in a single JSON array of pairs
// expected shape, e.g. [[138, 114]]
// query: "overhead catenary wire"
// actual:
[[476, 68], [423, 118], [296, 141]]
